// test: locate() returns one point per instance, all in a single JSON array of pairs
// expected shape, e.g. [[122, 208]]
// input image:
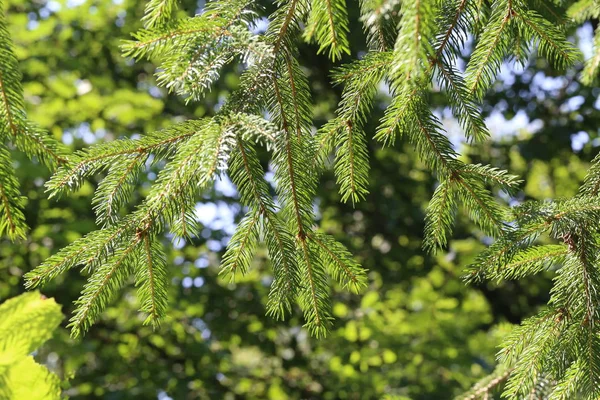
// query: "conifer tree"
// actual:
[[413, 48], [17, 131]]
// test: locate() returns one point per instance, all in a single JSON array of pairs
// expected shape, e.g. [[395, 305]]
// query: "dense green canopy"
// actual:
[[416, 330]]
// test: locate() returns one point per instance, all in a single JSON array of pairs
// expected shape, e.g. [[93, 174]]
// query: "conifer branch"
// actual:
[[101, 156], [378, 22], [427, 37], [158, 13], [530, 345], [352, 165], [247, 174], [483, 388], [440, 216], [344, 269], [14, 125], [461, 7], [314, 298], [528, 262], [583, 10], [116, 188], [550, 40], [100, 288], [463, 107], [241, 248], [592, 66], [507, 182], [26, 136], [328, 26], [414, 43], [151, 279], [490, 50], [89, 250], [12, 220], [482, 207]]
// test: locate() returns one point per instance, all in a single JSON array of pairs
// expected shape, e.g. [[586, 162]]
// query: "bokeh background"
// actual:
[[416, 332]]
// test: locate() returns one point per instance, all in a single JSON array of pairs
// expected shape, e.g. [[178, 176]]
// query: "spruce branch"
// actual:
[[592, 66], [504, 249], [550, 41], [248, 175], [440, 216], [378, 22], [151, 278], [14, 125], [591, 182], [494, 176], [451, 38], [101, 287], [483, 388], [481, 206], [528, 348], [99, 157], [551, 10], [116, 189], [158, 13], [24, 134], [12, 220], [342, 266], [529, 261], [241, 247], [361, 80], [414, 42], [583, 10], [89, 251], [463, 106], [491, 49], [327, 25], [314, 299]]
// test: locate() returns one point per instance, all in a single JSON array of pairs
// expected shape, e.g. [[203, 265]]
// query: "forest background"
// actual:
[[416, 331]]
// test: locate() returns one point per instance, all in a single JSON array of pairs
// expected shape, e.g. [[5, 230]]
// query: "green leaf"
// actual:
[[26, 322], [26, 379]]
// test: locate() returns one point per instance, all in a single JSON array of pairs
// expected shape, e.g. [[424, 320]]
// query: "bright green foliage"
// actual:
[[191, 53], [419, 56], [26, 322], [486, 387], [328, 25], [17, 130], [379, 24], [346, 132], [195, 152], [158, 13], [570, 324]]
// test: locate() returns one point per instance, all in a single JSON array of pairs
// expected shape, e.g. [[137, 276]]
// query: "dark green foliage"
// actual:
[[328, 25], [17, 130], [413, 46], [560, 343]]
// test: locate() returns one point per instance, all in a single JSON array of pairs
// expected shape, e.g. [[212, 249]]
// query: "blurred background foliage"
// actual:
[[417, 332]]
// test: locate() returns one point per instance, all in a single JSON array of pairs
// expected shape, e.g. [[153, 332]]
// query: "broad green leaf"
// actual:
[[26, 322], [28, 380]]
